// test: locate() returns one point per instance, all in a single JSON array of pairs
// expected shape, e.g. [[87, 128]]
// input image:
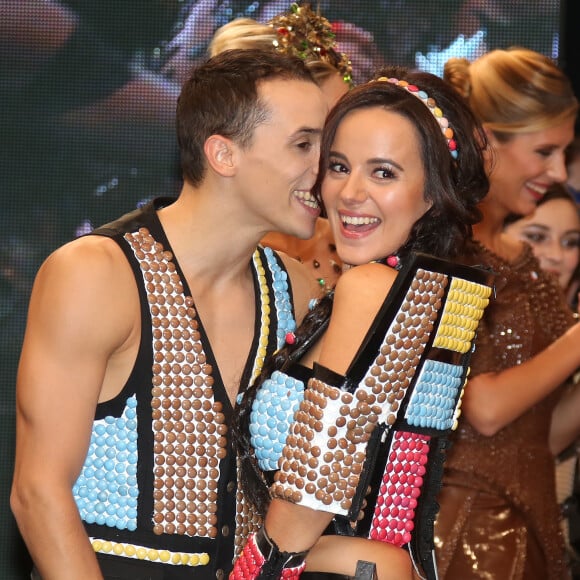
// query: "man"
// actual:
[[140, 338]]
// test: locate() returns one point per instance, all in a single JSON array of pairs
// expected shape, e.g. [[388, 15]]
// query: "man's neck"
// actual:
[[210, 239]]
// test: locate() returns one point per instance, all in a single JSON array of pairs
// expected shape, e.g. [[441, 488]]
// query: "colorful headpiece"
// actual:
[[308, 35], [432, 106]]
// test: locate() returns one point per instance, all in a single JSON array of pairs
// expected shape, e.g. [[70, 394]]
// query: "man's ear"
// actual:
[[220, 154]]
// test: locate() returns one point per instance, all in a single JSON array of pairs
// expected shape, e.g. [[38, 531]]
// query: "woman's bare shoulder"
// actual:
[[365, 282]]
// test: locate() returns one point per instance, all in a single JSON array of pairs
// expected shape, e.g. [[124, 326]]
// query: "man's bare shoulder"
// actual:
[[94, 258], [88, 279]]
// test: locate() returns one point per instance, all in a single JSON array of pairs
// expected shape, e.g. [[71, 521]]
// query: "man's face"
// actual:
[[279, 167]]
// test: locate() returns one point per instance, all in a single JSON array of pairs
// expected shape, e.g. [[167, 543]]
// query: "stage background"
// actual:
[[87, 93]]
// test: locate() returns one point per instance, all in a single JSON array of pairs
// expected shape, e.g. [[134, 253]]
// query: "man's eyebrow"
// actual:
[[308, 131]]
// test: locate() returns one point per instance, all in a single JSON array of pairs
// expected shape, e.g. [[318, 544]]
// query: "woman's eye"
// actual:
[[545, 152], [571, 243], [306, 145], [535, 237], [384, 173], [336, 166]]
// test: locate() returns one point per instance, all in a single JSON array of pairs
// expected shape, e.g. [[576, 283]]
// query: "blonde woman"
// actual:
[[499, 516]]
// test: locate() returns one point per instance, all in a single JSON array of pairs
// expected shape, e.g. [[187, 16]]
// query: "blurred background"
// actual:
[[88, 91]]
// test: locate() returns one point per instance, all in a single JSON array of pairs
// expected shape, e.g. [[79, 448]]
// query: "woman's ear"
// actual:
[[220, 153], [489, 153], [490, 136]]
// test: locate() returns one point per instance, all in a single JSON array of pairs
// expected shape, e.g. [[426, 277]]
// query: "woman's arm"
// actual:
[[565, 427], [359, 294], [493, 400]]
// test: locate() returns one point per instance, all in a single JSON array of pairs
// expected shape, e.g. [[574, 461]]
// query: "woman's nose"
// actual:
[[553, 251], [354, 190], [557, 169]]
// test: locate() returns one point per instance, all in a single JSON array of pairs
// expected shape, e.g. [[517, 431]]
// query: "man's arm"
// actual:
[[79, 319]]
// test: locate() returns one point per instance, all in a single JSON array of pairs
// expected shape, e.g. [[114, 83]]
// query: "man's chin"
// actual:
[[305, 235], [305, 230]]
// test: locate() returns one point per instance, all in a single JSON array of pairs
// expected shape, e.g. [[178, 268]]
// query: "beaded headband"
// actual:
[[432, 106], [308, 35]]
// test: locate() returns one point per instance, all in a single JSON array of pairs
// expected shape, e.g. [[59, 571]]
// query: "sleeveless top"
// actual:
[[159, 482], [528, 314], [368, 446]]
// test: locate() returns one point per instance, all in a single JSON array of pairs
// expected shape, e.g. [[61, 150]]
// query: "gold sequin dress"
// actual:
[[158, 490], [499, 518]]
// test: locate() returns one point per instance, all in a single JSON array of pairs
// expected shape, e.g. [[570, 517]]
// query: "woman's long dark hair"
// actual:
[[252, 479], [453, 186]]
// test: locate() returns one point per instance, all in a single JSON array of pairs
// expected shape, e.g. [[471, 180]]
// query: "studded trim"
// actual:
[[188, 425]]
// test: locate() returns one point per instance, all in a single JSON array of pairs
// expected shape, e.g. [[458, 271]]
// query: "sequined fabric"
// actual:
[[499, 518]]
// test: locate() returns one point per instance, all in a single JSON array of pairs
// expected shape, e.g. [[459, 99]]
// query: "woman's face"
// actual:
[[553, 231], [374, 183], [523, 168]]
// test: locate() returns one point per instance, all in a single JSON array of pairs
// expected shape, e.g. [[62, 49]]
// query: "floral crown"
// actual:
[[308, 35], [430, 103]]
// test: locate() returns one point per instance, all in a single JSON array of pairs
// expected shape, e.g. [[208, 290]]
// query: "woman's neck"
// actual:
[[498, 242], [490, 230]]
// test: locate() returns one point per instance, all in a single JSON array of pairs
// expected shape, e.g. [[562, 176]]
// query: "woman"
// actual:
[[392, 181], [304, 33], [299, 31], [553, 231], [499, 516]]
